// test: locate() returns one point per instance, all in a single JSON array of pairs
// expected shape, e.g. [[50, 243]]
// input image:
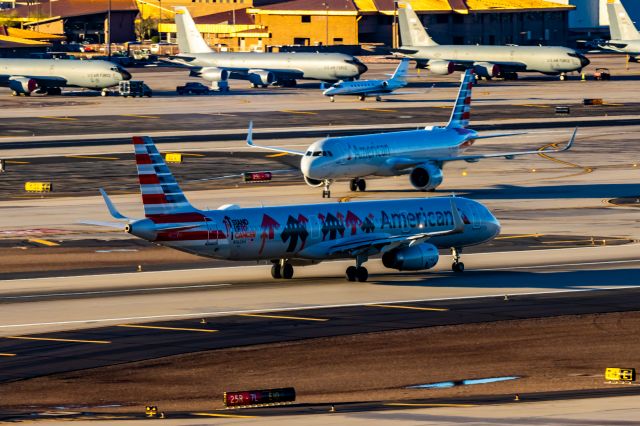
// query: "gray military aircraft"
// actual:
[[407, 232], [364, 88], [625, 37], [486, 61], [49, 76], [261, 69], [420, 153]]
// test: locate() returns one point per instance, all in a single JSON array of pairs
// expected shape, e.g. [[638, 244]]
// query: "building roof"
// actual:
[[8, 42], [297, 7], [466, 6], [239, 17], [70, 8], [30, 35]]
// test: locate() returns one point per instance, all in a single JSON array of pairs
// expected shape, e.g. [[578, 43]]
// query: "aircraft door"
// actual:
[[212, 232], [476, 218]]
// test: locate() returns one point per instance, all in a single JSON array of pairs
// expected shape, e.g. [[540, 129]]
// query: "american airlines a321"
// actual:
[[337, 212]]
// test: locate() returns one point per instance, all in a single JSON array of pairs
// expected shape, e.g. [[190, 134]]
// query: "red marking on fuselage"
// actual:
[[189, 235]]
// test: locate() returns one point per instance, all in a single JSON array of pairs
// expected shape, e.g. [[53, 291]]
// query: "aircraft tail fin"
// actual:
[[161, 194], [401, 71], [621, 26], [462, 108], [412, 32], [189, 38]]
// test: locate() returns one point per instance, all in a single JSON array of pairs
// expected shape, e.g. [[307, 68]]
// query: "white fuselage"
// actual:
[[364, 87], [377, 154]]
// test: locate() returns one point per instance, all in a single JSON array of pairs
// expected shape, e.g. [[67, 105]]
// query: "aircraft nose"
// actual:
[[362, 68], [494, 226], [305, 165], [584, 61], [126, 75]]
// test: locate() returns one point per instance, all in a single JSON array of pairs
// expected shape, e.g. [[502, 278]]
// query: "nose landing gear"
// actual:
[[326, 192]]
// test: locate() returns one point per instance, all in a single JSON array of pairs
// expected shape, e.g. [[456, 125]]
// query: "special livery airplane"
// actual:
[[48, 76], [487, 61], [261, 69], [419, 153], [408, 232]]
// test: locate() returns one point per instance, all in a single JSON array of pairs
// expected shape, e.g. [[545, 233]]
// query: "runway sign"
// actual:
[[257, 176], [38, 187], [620, 374], [259, 397]]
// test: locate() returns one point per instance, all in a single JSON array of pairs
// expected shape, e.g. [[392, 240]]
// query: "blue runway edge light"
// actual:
[[451, 384]]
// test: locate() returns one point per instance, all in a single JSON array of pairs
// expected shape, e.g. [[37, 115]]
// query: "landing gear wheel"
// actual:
[[287, 271], [275, 271], [362, 98], [362, 274], [362, 185], [351, 273], [378, 99], [563, 77], [332, 99], [353, 185], [457, 267], [326, 194], [104, 93]]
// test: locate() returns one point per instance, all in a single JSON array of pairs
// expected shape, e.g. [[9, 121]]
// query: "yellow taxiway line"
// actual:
[[511, 237], [378, 110], [283, 317], [59, 118], [566, 163], [193, 155], [9, 355], [536, 106], [233, 416], [290, 111], [409, 404], [17, 162], [280, 154], [51, 339], [415, 308], [157, 327], [92, 157], [153, 117], [43, 242]]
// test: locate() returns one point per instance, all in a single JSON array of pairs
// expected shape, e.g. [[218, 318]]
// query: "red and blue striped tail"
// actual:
[[161, 194], [462, 109]]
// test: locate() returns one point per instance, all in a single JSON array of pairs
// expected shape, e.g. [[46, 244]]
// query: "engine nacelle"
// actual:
[[441, 67], [261, 77], [426, 177], [414, 258], [385, 84], [313, 182], [486, 69], [214, 74], [22, 84]]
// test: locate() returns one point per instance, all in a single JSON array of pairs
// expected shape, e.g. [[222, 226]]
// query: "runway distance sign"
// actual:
[[620, 374], [257, 176], [259, 397]]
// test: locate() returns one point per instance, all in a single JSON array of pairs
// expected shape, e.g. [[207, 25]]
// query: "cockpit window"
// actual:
[[308, 154], [317, 153], [574, 55]]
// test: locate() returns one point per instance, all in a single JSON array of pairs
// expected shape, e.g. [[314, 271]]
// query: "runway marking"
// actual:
[[411, 404], [157, 327], [378, 110], [59, 118], [280, 154], [52, 339], [153, 117], [193, 155], [416, 308], [536, 106], [43, 242], [7, 355], [17, 162], [233, 416], [131, 290], [283, 317], [510, 237], [92, 157], [566, 163], [290, 111]]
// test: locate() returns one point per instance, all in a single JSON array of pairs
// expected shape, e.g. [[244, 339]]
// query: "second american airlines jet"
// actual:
[[407, 232], [419, 153]]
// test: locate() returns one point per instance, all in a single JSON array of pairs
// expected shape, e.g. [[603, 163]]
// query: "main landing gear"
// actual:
[[326, 192], [282, 269], [358, 272], [456, 266], [362, 98], [358, 184]]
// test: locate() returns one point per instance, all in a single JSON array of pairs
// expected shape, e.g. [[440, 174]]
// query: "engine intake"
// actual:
[[22, 84], [486, 69], [214, 74], [426, 177], [415, 258], [261, 77]]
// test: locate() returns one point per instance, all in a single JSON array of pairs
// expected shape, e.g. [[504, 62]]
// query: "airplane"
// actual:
[[487, 61], [419, 153], [407, 232], [364, 88], [49, 76], [260, 69], [625, 37]]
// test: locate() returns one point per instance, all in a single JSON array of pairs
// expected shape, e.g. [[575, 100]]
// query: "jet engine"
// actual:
[[261, 77], [22, 85], [426, 177], [441, 67], [414, 258], [313, 182], [385, 84], [486, 69], [214, 74]]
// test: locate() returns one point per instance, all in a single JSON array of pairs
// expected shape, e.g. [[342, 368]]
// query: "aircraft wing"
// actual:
[[41, 80], [379, 243], [509, 155], [268, 148]]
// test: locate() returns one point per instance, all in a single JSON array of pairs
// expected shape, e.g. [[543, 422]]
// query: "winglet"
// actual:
[[112, 209], [570, 143], [457, 220], [250, 134]]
